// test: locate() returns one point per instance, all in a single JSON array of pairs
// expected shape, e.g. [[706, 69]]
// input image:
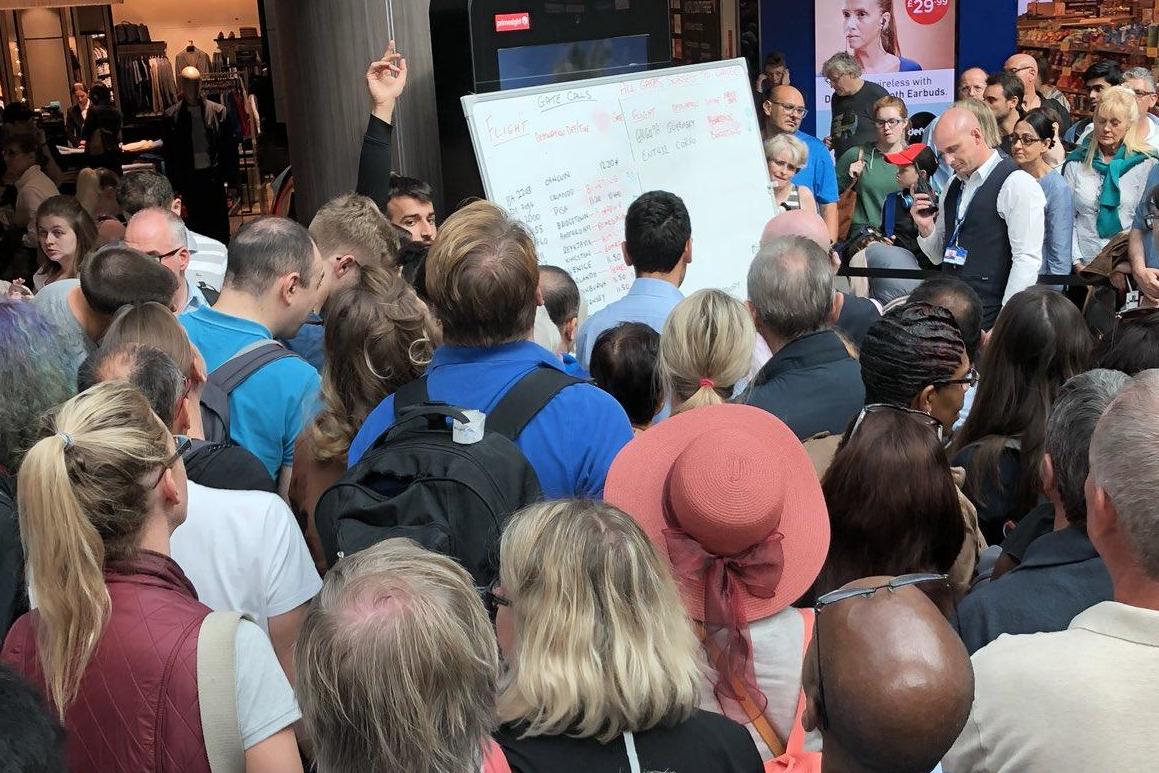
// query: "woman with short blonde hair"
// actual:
[[706, 348], [603, 663], [786, 156], [1107, 174]]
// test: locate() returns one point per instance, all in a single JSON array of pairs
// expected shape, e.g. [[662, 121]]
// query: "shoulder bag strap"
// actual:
[[217, 691], [796, 741], [249, 360], [630, 748], [762, 725], [526, 399]]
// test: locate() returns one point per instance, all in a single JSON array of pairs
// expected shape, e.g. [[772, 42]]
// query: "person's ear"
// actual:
[[538, 296], [767, 106], [753, 311], [177, 206], [687, 256], [182, 422], [170, 491], [1102, 516], [885, 19], [291, 286], [569, 329], [343, 264], [1046, 472], [626, 254], [924, 401], [183, 259], [985, 339], [835, 309]]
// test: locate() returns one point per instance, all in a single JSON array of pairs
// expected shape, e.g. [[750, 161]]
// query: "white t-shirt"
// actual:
[[243, 551], [265, 700]]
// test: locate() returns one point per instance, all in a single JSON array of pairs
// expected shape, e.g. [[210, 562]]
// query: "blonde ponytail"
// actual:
[[82, 497], [705, 349]]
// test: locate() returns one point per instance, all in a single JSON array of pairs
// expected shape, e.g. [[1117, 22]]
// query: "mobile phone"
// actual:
[[924, 186]]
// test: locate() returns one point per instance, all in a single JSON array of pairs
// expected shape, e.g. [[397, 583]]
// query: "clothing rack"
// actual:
[[146, 79]]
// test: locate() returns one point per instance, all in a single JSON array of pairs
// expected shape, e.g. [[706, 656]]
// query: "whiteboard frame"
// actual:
[[469, 101]]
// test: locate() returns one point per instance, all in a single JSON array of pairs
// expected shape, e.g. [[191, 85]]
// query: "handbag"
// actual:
[[847, 203]]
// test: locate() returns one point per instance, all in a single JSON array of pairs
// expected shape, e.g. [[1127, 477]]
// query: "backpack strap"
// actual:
[[217, 691], [526, 399], [410, 395], [249, 360]]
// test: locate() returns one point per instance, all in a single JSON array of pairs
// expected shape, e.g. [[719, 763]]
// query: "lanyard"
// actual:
[[961, 216]]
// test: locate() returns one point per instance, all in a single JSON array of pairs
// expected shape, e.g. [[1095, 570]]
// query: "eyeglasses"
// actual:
[[779, 164], [791, 109], [182, 447], [842, 594], [884, 123], [1016, 70], [970, 379], [1143, 94], [833, 80], [492, 600], [162, 256], [1022, 139], [924, 418]]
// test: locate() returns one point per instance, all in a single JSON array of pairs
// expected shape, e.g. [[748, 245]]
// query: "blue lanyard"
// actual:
[[961, 217]]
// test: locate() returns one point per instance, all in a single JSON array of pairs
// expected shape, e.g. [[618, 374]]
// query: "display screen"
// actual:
[[562, 62]]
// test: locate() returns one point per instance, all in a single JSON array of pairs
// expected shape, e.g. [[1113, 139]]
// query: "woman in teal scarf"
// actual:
[[1108, 174]]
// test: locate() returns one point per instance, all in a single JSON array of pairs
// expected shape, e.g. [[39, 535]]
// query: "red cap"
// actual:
[[907, 156]]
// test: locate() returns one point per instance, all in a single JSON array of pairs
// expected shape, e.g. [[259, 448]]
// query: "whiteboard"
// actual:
[[567, 160]]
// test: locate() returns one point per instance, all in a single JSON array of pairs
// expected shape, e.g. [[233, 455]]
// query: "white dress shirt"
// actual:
[[1021, 203], [1086, 186], [207, 260]]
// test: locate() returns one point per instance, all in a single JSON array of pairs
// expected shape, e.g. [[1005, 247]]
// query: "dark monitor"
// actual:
[[546, 63]]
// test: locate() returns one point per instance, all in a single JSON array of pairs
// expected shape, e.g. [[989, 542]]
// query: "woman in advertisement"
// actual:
[[870, 29]]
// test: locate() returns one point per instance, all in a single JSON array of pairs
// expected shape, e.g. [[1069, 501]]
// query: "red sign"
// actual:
[[512, 22], [927, 11]]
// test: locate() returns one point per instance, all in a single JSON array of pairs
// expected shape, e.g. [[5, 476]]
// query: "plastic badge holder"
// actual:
[[472, 431]]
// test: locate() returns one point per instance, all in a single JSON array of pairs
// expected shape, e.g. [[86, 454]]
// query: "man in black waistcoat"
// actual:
[[988, 227]]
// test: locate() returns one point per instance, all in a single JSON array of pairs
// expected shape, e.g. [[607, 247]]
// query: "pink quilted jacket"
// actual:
[[137, 708]]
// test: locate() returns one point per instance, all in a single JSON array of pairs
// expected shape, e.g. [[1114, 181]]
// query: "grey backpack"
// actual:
[[229, 376]]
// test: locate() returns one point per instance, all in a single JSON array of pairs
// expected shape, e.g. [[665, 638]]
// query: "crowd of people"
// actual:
[[379, 493]]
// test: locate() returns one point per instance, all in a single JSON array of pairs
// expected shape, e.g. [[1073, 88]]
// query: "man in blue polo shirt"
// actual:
[[1143, 250], [272, 279], [482, 277], [658, 247], [785, 109]]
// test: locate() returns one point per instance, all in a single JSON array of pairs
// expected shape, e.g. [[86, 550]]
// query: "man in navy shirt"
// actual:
[[785, 109], [482, 277]]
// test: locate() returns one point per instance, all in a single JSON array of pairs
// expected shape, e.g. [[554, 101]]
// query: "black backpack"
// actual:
[[417, 482], [229, 376]]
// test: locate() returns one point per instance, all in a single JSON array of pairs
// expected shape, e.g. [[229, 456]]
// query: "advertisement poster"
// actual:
[[908, 46]]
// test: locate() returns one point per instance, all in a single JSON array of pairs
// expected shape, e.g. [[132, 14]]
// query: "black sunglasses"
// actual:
[[492, 600], [184, 445], [970, 379], [842, 594]]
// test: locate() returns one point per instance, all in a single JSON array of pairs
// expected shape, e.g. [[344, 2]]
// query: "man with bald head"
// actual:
[[1025, 68], [784, 108], [887, 681], [971, 85], [161, 234], [988, 225], [200, 151], [1085, 698]]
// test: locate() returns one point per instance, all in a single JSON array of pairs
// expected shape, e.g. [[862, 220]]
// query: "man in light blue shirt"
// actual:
[[658, 247], [271, 284], [162, 235], [486, 295]]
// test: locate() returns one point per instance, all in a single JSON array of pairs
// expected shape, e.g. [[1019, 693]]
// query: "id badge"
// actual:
[[1134, 298], [956, 256]]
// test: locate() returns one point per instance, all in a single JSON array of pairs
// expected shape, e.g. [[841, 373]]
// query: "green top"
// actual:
[[877, 181]]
